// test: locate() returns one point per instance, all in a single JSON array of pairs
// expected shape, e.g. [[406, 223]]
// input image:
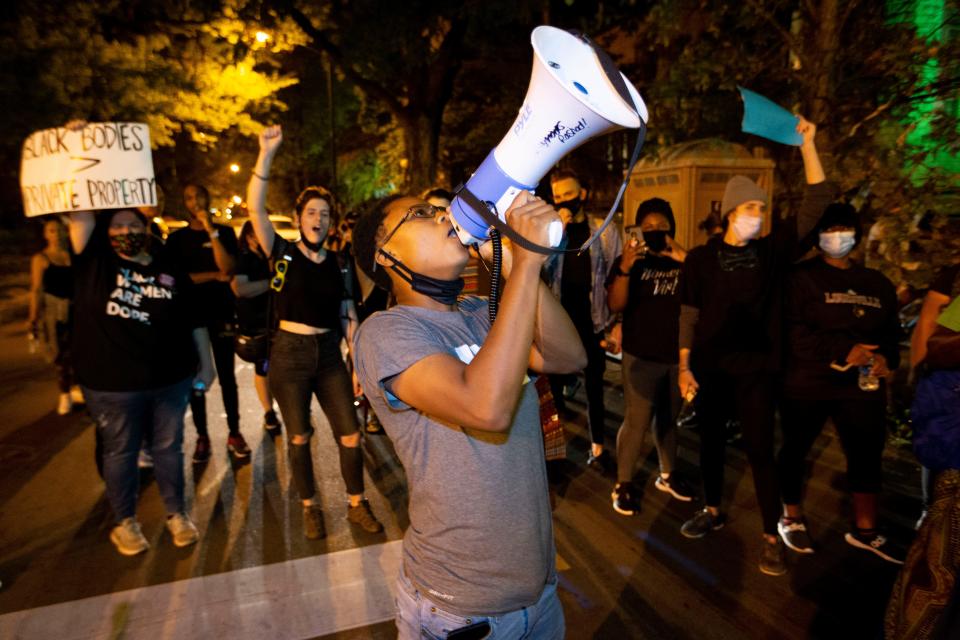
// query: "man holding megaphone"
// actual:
[[454, 396]]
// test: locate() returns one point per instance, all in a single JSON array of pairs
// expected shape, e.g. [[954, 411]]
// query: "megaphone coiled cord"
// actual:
[[495, 269]]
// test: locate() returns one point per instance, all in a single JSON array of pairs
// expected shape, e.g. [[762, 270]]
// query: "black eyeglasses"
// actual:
[[416, 211]]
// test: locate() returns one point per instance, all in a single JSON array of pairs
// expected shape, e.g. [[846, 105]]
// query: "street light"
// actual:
[[237, 199], [262, 36], [234, 168]]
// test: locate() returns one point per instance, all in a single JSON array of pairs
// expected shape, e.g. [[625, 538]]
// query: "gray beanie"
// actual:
[[741, 189]]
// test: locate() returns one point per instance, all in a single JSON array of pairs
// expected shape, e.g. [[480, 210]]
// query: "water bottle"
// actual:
[[868, 381], [688, 412]]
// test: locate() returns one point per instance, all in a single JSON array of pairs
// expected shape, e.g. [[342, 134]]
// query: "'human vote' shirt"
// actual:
[[133, 326], [480, 539]]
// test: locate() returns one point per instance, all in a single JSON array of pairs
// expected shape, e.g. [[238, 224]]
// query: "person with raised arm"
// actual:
[[314, 310], [731, 337], [138, 353]]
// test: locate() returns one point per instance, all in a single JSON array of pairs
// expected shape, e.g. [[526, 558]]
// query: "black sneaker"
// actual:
[[623, 499], [703, 523], [313, 527], [363, 516], [875, 543], [772, 560], [793, 532], [674, 486], [271, 423]]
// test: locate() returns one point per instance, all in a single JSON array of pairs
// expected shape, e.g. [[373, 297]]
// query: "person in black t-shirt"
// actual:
[[843, 336], [136, 351], [208, 253], [644, 286], [251, 285], [314, 310], [731, 338]]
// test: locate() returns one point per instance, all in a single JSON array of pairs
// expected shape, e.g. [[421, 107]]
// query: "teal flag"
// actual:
[[769, 120]]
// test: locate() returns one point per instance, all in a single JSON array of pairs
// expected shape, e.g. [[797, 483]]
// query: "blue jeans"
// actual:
[[122, 417], [420, 617]]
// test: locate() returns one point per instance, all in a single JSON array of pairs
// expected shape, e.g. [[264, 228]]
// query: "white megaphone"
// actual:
[[570, 100]]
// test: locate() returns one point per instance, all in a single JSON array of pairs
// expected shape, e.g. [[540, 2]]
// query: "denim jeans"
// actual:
[[420, 617], [122, 418]]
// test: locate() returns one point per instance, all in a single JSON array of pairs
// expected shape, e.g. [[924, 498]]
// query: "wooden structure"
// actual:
[[691, 176]]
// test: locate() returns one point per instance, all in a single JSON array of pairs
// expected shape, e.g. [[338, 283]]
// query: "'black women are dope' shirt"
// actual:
[[133, 326]]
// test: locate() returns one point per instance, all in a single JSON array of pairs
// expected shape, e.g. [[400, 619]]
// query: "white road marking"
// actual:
[[290, 600]]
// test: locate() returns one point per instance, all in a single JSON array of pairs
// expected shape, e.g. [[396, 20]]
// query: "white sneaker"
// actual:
[[65, 405], [182, 529], [128, 538], [76, 394]]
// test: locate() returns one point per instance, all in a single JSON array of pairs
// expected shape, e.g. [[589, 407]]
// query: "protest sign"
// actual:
[[105, 165], [767, 119]]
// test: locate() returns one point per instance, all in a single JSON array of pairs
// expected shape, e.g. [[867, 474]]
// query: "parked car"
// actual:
[[167, 225], [284, 226]]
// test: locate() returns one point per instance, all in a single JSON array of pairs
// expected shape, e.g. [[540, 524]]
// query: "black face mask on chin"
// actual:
[[443, 291], [312, 246]]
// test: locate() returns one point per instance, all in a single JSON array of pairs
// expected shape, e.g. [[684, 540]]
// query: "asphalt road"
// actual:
[[253, 574]]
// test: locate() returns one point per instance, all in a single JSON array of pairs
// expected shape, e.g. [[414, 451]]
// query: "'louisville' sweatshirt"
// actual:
[[829, 310]]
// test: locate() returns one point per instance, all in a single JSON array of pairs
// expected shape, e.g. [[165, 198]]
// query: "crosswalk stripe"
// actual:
[[290, 600]]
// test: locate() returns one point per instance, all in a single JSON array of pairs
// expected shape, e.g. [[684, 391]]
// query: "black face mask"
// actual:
[[443, 291], [656, 241], [573, 205]]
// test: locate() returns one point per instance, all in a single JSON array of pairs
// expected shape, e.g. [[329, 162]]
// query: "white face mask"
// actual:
[[747, 227], [837, 244]]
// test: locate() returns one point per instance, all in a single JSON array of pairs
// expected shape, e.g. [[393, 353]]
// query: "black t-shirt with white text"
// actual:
[[651, 317], [192, 251], [133, 323]]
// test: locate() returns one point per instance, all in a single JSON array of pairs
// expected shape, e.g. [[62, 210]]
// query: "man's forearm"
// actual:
[[222, 257], [498, 370], [555, 337], [203, 277]]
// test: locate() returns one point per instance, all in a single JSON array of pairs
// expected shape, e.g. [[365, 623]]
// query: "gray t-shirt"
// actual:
[[480, 539]]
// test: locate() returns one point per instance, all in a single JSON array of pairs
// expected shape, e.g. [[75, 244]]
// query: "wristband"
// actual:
[[620, 272], [214, 234], [264, 178]]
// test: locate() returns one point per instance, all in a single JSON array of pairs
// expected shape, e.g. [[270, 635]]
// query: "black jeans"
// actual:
[[750, 398], [221, 339], [304, 366], [860, 424]]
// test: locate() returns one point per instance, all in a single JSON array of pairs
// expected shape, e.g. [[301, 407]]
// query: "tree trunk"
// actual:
[[421, 137], [825, 42]]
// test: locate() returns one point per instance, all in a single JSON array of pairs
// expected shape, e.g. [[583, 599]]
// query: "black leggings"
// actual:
[[750, 399], [304, 366], [859, 423], [593, 379], [222, 343]]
